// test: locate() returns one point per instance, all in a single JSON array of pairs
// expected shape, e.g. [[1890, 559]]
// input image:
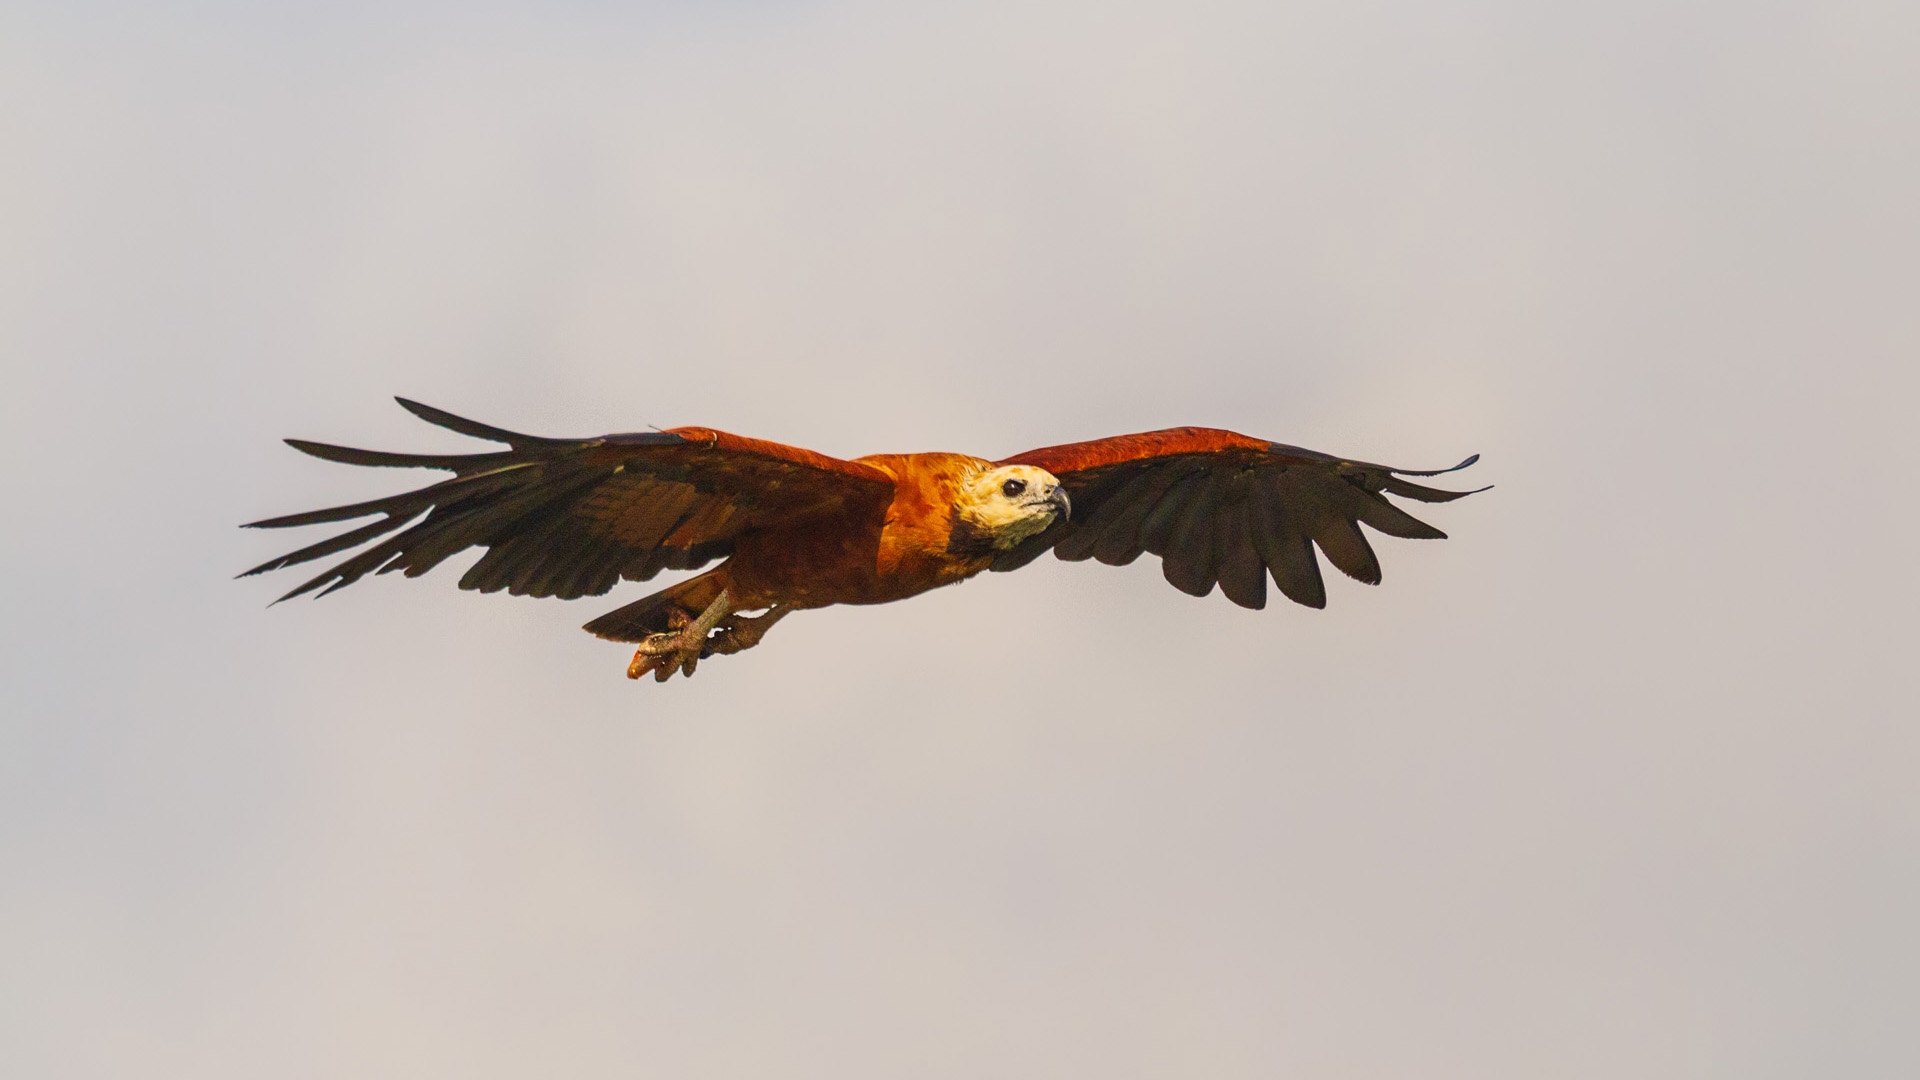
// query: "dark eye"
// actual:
[[1013, 487]]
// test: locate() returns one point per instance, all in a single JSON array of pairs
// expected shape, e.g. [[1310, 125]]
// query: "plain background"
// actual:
[[1617, 782]]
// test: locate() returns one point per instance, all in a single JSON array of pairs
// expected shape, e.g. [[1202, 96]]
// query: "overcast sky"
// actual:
[[1617, 782]]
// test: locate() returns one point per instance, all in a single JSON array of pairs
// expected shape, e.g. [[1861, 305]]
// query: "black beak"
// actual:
[[1058, 497]]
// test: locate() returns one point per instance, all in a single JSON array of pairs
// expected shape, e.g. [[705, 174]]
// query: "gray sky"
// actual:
[[1617, 782]]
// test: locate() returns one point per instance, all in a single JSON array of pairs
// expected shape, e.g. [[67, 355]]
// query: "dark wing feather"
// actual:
[[1346, 547], [1283, 545], [1110, 506], [1228, 509], [1121, 542], [1243, 578], [1156, 529], [1187, 559], [570, 517]]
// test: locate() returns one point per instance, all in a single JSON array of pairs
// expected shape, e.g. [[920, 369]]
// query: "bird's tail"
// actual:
[[653, 614]]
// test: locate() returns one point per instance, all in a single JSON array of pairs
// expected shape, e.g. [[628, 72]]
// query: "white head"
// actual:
[[998, 507]]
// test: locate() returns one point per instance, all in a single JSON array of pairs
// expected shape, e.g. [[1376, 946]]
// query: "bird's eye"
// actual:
[[1013, 487]]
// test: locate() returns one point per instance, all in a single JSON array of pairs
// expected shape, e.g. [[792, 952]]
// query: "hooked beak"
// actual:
[[1063, 507]]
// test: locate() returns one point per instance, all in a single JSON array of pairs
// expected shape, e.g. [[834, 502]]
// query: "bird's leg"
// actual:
[[744, 632], [680, 649]]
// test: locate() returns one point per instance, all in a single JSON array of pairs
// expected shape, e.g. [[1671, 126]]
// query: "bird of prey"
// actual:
[[796, 529]]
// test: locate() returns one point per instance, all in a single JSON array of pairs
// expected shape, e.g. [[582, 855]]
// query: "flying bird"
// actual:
[[796, 529]]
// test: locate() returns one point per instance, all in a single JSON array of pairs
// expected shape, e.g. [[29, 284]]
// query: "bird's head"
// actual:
[[1000, 506]]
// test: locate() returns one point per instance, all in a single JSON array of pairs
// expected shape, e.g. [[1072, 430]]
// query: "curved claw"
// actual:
[[717, 632], [663, 654]]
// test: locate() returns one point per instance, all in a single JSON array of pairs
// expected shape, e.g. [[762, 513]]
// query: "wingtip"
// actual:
[[428, 413], [1470, 459], [310, 448], [474, 428], [420, 409]]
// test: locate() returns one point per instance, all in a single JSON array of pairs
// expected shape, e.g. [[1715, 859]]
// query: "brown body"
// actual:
[[797, 529], [869, 558]]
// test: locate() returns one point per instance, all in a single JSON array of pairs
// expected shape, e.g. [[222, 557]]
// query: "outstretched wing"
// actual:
[[1217, 506], [571, 517]]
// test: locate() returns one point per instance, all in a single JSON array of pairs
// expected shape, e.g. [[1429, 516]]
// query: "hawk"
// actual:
[[796, 529]]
